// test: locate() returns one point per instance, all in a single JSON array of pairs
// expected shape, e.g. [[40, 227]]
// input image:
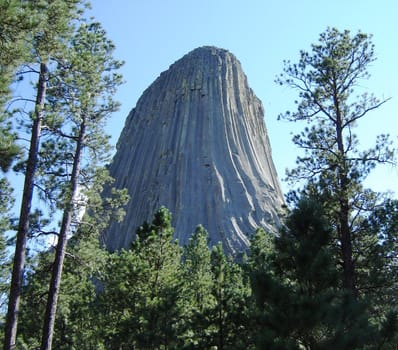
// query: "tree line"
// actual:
[[327, 280], [286, 292]]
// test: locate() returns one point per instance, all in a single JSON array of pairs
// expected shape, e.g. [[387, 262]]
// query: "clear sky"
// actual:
[[152, 34]]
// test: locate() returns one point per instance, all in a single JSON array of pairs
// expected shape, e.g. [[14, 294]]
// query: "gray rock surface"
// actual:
[[196, 142]]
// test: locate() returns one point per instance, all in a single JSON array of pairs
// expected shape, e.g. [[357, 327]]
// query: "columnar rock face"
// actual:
[[197, 144]]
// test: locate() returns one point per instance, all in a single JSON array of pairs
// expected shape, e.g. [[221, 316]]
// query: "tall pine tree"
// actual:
[[47, 41], [296, 285], [229, 318], [333, 163], [142, 290], [81, 98], [197, 295]]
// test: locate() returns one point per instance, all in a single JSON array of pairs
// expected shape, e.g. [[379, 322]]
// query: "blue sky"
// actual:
[[152, 34]]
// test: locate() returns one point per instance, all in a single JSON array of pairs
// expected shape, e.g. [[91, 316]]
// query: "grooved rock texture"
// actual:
[[197, 143]]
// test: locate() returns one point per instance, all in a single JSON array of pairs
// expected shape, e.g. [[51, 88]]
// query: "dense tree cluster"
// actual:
[[328, 280], [285, 294], [63, 76]]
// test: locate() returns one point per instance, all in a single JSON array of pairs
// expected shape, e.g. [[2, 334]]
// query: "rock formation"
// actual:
[[196, 143]]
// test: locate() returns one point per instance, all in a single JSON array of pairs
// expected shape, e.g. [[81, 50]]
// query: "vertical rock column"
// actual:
[[196, 142]]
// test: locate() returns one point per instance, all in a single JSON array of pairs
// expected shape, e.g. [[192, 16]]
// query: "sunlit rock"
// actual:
[[196, 142]]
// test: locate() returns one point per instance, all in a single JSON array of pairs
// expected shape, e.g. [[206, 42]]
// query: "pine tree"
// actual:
[[332, 163], [229, 317], [161, 257], [142, 290], [378, 270], [54, 25], [5, 204], [197, 297], [119, 298], [17, 19], [297, 289], [257, 266], [76, 324], [82, 94]]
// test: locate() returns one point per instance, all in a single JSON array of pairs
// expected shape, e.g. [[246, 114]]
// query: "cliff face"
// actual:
[[197, 143]]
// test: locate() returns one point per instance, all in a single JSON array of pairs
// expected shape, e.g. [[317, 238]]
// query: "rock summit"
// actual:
[[197, 143]]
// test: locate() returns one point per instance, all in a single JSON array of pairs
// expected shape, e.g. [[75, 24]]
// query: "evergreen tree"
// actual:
[[378, 271], [5, 205], [335, 168], [54, 25], [229, 318], [197, 297], [17, 19], [297, 289], [33, 301], [76, 323], [257, 265], [82, 96], [119, 298], [161, 256], [142, 290], [333, 163]]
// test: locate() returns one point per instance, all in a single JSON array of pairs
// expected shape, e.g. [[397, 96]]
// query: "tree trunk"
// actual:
[[23, 225], [220, 322], [346, 247], [344, 231], [51, 308]]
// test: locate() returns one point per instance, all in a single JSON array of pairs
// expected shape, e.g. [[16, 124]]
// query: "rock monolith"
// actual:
[[197, 143]]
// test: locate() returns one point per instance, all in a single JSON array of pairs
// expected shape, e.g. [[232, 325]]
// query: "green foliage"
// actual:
[[6, 202], [142, 290], [378, 269], [334, 168], [76, 80], [154, 297], [9, 150], [262, 248], [17, 20], [229, 316], [33, 302], [76, 322], [43, 43], [298, 294], [197, 271], [197, 297], [80, 96], [287, 294], [325, 80], [333, 164], [327, 281]]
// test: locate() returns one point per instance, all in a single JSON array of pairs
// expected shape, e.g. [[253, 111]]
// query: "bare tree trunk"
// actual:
[[51, 309], [23, 225]]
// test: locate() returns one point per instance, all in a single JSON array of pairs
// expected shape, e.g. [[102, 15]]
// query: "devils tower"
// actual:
[[196, 143]]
